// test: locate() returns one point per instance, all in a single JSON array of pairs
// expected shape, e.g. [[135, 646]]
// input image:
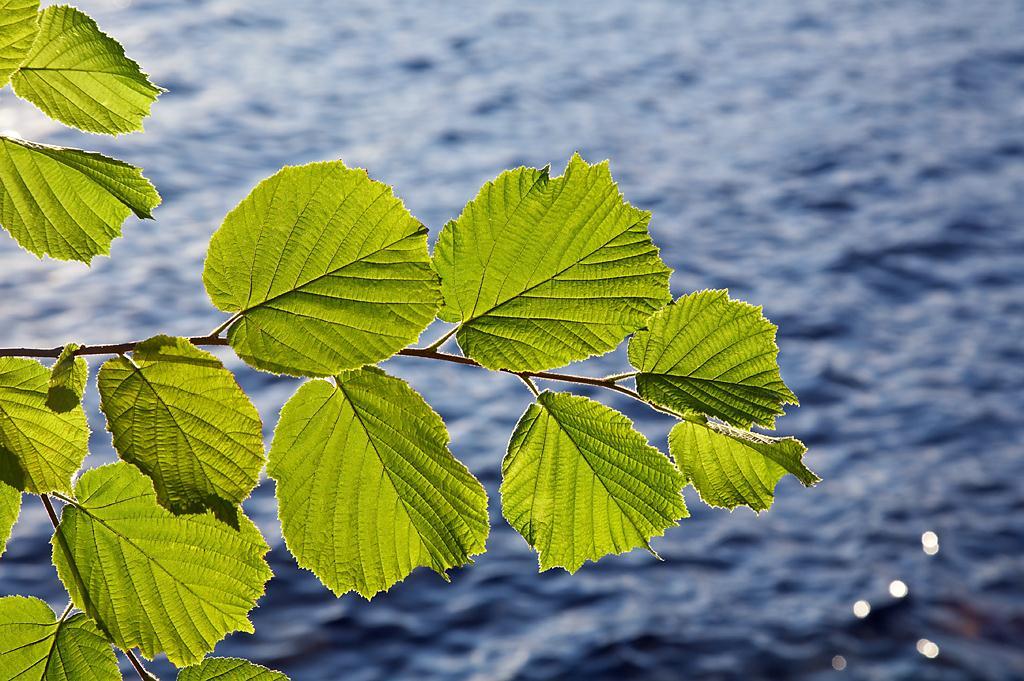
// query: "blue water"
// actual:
[[857, 167]]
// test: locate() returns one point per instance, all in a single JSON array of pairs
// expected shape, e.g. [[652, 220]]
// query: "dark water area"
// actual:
[[855, 167]]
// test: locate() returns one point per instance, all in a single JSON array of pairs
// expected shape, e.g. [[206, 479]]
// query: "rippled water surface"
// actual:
[[857, 167]]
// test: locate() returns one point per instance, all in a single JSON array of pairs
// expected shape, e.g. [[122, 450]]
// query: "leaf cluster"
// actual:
[[323, 274]]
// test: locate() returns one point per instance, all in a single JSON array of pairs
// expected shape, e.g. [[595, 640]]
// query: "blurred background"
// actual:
[[855, 167]]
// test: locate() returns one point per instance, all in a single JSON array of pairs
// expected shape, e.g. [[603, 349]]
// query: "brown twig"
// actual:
[[609, 382]]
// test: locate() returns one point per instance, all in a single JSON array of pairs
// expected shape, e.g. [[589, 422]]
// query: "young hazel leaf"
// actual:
[[151, 579], [580, 483], [10, 506], [709, 354], [325, 270], [229, 669], [81, 77], [730, 467], [67, 380], [180, 416], [18, 28], [367, 487], [36, 646], [40, 449], [66, 203], [540, 272]]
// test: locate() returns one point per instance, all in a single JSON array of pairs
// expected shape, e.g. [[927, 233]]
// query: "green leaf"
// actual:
[[151, 579], [730, 467], [540, 272], [67, 203], [325, 271], [67, 380], [18, 28], [713, 355], [81, 77], [10, 507], [180, 416], [367, 487], [39, 449], [580, 483], [229, 669], [36, 646]]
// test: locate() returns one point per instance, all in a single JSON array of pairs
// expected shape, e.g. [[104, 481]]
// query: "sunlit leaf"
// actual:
[[367, 487], [580, 483], [36, 646], [67, 380], [540, 272], [80, 76], [10, 506], [730, 467], [325, 269], [180, 416], [67, 203], [229, 669], [40, 449], [18, 28], [709, 354], [151, 579]]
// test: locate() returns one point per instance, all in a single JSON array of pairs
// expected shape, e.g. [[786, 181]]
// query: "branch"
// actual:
[[108, 349], [609, 382], [144, 674], [49, 510]]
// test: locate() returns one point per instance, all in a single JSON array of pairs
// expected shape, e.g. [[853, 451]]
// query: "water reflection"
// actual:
[[930, 543], [898, 588], [928, 648]]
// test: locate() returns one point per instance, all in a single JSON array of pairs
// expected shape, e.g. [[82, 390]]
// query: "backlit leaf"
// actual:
[[229, 669], [325, 269], [67, 380], [39, 449], [367, 487], [540, 272], [18, 28], [730, 467], [151, 579], [709, 354], [36, 646], [10, 506], [180, 416], [580, 483], [81, 77], [67, 203]]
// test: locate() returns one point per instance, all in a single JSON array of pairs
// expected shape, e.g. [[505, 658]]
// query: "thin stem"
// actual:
[[139, 669], [425, 353], [107, 349], [615, 378], [226, 324], [529, 384], [67, 611], [66, 500], [49, 510], [440, 341]]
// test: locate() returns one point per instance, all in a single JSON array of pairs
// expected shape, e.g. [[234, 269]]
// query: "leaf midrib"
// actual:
[[552, 277], [329, 273], [405, 505], [597, 476]]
